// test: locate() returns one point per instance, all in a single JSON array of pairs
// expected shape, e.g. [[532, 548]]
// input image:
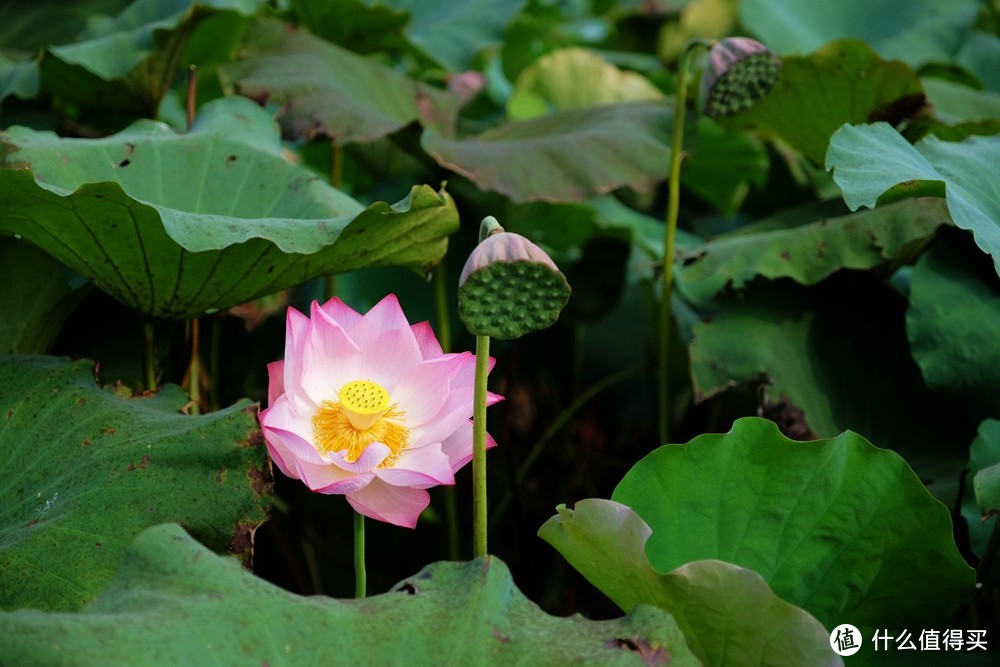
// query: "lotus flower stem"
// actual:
[[360, 577], [670, 232], [148, 368], [192, 94], [444, 337], [194, 368], [479, 446], [336, 164]]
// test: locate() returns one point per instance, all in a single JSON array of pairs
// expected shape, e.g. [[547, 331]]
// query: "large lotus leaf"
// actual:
[[125, 65], [959, 111], [728, 614], [35, 297], [981, 55], [809, 252], [955, 103], [575, 78], [177, 225], [326, 89], [566, 155], [870, 162], [914, 31], [174, 603], [86, 469], [826, 373], [843, 82], [953, 324], [839, 527]]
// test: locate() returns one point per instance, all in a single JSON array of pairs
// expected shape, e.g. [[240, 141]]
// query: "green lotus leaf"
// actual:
[[179, 225], [953, 323], [809, 252], [87, 469], [980, 55], [564, 156], [173, 602], [727, 613], [872, 163], [839, 527], [123, 66], [843, 82], [914, 31], [819, 373], [36, 296], [326, 89], [723, 165]]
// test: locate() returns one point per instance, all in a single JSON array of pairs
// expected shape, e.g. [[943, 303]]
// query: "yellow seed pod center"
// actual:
[[364, 402]]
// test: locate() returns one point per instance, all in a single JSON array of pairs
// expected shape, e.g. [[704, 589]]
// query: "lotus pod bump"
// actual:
[[740, 72], [509, 286]]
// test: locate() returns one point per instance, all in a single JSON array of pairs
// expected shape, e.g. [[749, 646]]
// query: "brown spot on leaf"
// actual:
[[81, 401], [131, 467], [241, 543], [785, 255], [503, 639], [86, 442], [99, 546], [220, 475], [144, 461], [261, 481], [230, 160], [789, 418], [904, 108], [651, 655], [408, 588]]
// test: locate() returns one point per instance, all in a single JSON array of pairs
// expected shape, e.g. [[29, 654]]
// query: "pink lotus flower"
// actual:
[[369, 407]]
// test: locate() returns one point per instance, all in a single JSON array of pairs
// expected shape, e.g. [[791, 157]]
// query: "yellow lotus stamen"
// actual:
[[362, 416]]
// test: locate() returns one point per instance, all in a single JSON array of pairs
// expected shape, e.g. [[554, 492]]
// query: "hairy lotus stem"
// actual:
[[740, 73], [148, 352], [479, 524], [509, 287], [670, 233]]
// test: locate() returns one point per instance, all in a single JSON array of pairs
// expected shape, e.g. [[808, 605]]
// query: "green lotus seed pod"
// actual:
[[740, 72], [509, 286]]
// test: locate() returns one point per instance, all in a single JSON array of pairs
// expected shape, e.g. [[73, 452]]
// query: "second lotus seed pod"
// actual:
[[740, 72], [510, 287]]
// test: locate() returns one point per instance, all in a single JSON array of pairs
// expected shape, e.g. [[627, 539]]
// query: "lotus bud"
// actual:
[[740, 72], [509, 286]]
